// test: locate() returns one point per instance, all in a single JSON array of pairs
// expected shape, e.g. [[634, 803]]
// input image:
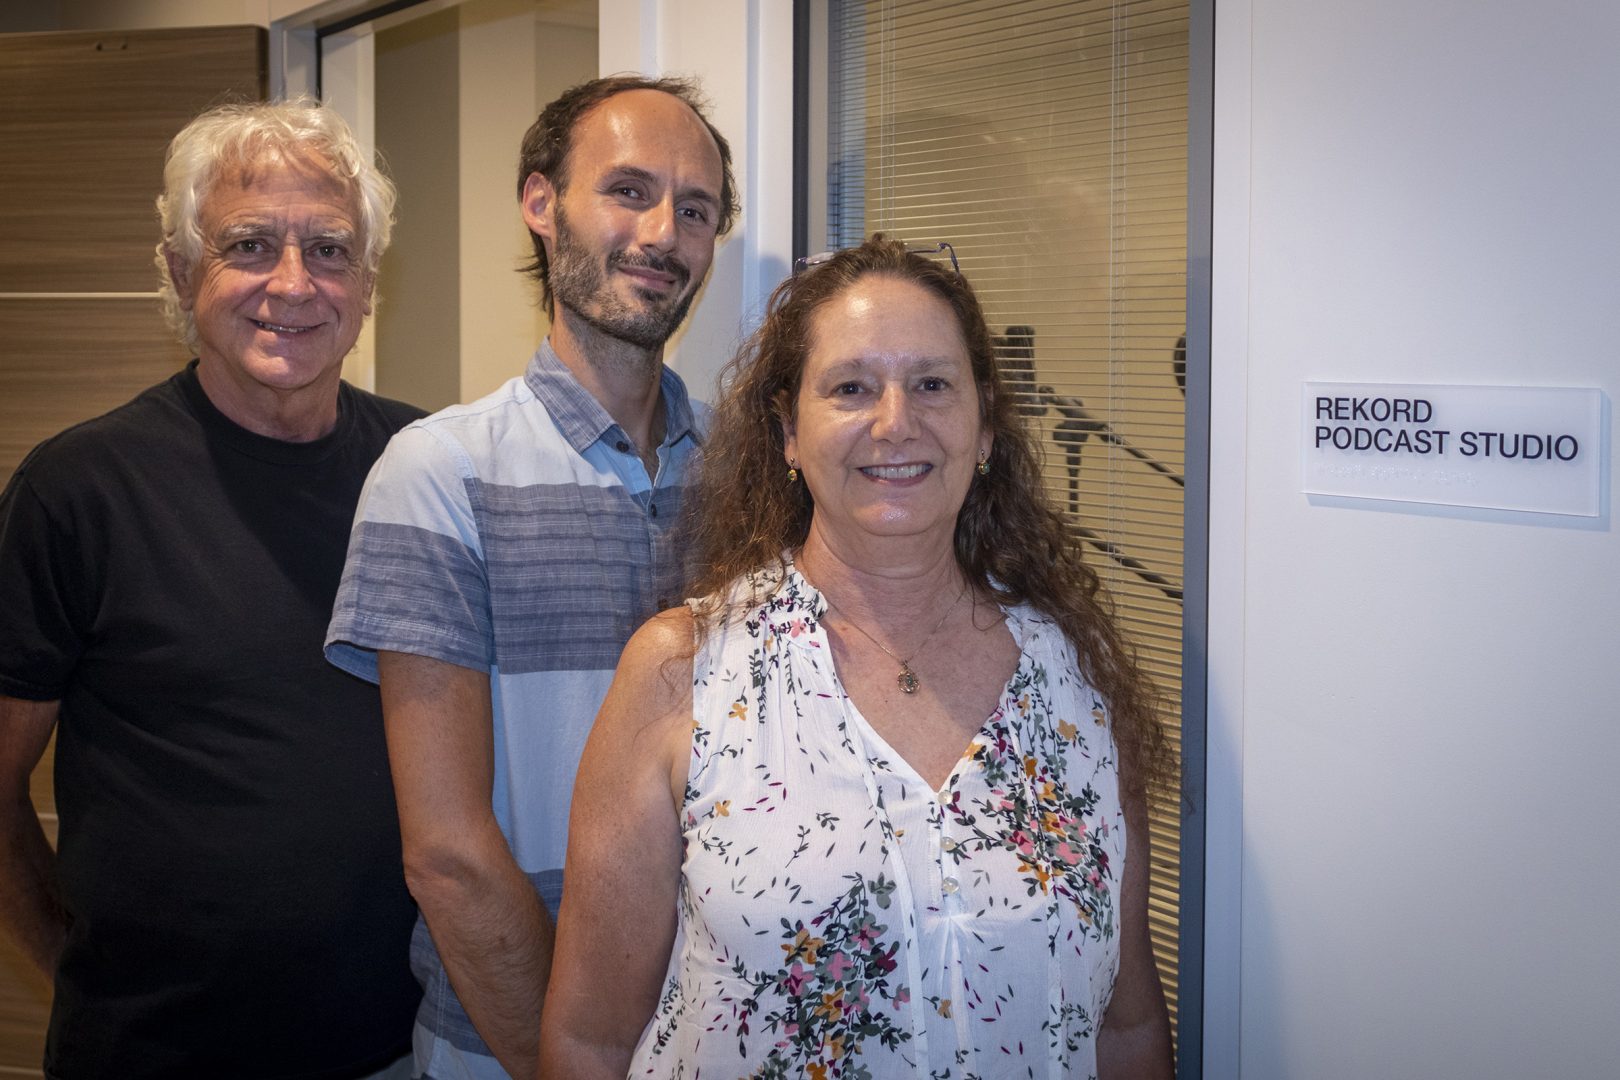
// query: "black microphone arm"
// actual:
[[1015, 355], [1078, 425], [1081, 425]]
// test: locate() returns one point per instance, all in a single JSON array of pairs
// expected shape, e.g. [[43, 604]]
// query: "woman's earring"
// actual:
[[984, 463], [793, 472]]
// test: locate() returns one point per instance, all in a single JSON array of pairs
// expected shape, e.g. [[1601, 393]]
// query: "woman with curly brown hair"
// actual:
[[873, 805]]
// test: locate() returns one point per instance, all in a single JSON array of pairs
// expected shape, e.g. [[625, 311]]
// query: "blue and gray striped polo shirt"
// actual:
[[520, 535]]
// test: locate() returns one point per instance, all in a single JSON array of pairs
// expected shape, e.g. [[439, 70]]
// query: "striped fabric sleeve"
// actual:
[[415, 580]]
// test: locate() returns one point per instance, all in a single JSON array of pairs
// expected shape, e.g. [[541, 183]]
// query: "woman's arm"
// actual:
[[617, 922], [1134, 1043]]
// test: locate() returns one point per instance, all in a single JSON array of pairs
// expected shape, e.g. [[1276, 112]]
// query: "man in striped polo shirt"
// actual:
[[505, 550]]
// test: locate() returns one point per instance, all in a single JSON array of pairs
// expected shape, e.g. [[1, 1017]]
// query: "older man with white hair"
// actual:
[[226, 899]]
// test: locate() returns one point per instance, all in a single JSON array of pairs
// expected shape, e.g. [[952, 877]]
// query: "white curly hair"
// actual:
[[238, 136]]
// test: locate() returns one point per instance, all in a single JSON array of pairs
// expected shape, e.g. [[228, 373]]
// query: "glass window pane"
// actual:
[[1047, 141]]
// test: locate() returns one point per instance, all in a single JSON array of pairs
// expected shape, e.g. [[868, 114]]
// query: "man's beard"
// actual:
[[579, 282]]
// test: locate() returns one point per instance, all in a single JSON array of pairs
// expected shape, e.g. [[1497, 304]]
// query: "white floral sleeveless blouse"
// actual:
[[840, 919]]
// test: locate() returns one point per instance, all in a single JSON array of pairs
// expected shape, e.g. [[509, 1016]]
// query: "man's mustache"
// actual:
[[662, 264]]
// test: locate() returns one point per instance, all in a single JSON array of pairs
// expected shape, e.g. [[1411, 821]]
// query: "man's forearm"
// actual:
[[30, 906], [491, 931], [494, 938]]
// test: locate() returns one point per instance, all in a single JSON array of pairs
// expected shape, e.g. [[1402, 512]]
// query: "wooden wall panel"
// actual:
[[84, 122], [66, 360], [84, 119], [25, 1007], [62, 361]]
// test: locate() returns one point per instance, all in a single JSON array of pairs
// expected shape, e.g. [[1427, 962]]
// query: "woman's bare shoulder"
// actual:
[[664, 637], [655, 669]]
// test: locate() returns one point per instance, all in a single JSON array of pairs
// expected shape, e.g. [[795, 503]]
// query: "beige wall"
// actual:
[[513, 62], [455, 93], [417, 319]]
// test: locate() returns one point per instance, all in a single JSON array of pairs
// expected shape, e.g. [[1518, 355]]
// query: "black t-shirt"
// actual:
[[229, 853]]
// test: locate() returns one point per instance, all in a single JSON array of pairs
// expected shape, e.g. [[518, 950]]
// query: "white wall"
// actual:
[[416, 113], [1415, 715], [455, 91], [512, 63]]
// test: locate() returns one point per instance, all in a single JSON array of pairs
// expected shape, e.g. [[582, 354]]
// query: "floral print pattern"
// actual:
[[841, 920]]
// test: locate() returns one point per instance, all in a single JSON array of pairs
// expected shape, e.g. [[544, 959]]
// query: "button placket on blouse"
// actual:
[[905, 898], [945, 859], [954, 905]]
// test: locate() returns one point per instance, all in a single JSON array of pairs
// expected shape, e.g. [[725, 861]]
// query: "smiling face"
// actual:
[[886, 429], [280, 290], [631, 237]]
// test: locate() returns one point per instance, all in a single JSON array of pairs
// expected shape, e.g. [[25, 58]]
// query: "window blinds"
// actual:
[[1047, 141]]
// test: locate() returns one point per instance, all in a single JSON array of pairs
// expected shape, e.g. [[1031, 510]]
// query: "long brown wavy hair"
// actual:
[[744, 514]]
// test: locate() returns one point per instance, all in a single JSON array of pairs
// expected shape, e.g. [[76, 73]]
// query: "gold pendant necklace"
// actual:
[[906, 679]]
